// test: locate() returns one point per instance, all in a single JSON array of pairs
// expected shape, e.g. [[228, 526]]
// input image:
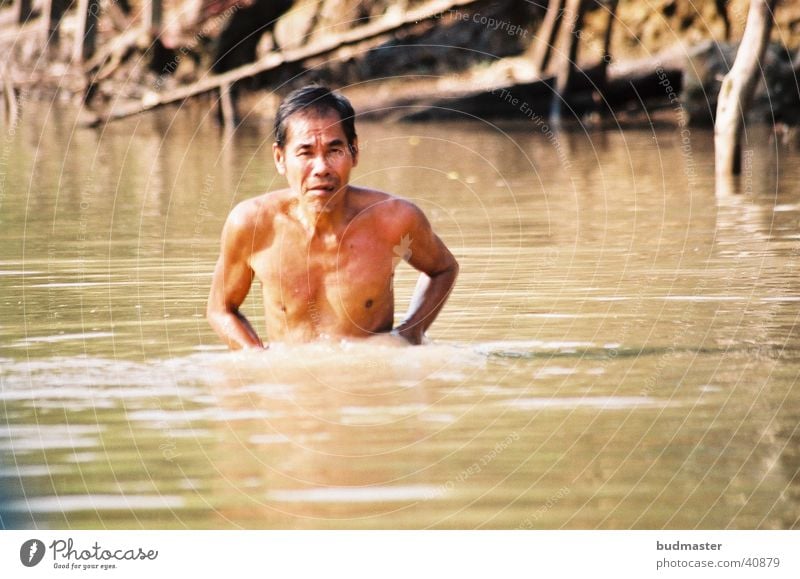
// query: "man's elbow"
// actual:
[[447, 275], [456, 267], [446, 271], [453, 269]]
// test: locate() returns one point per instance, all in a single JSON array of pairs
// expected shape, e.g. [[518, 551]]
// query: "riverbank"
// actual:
[[417, 60]]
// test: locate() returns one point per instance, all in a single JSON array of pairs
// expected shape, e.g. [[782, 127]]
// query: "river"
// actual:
[[621, 351]]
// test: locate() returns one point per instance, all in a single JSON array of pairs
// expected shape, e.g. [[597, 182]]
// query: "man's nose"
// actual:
[[320, 166]]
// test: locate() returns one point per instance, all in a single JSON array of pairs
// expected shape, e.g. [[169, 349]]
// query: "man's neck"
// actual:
[[326, 221]]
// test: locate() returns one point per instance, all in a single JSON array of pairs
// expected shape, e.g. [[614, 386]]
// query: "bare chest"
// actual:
[[329, 283]]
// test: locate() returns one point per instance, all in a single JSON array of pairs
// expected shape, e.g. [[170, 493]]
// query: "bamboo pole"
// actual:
[[612, 18], [53, 12], [227, 103], [738, 88], [153, 17], [86, 33], [24, 10], [542, 47], [10, 107], [568, 38]]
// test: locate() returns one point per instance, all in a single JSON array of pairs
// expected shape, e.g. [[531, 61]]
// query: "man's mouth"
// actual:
[[322, 189]]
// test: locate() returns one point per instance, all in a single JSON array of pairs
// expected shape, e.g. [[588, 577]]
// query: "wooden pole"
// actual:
[[568, 38], [86, 33], [542, 46], [153, 17], [722, 10], [612, 17], [10, 107], [53, 11], [227, 103], [738, 88], [24, 10]]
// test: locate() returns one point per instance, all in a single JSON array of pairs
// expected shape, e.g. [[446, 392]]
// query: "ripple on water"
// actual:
[[48, 430], [90, 380], [279, 438], [54, 339], [354, 494], [532, 348], [364, 415], [83, 378], [27, 437], [367, 357], [72, 503], [598, 402], [32, 470], [28, 444], [199, 415]]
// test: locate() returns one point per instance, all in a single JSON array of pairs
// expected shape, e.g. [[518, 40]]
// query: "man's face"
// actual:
[[316, 159]]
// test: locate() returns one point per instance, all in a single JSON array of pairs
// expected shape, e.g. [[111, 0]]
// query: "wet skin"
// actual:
[[325, 251]]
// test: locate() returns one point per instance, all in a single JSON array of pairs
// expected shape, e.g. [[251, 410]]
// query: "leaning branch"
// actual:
[[273, 61]]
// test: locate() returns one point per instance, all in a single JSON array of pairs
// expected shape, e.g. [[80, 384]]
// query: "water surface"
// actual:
[[621, 350]]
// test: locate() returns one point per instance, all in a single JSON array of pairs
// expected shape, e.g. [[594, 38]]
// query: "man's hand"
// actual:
[[424, 251], [410, 334]]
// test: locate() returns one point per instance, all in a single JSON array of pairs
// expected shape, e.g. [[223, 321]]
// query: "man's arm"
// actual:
[[427, 253], [232, 279]]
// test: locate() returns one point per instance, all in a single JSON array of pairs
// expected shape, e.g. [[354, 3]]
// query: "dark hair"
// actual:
[[315, 99]]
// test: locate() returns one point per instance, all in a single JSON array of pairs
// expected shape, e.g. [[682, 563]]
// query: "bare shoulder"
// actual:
[[264, 207], [390, 211], [253, 219]]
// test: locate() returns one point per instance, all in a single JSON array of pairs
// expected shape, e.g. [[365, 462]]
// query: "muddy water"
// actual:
[[621, 351]]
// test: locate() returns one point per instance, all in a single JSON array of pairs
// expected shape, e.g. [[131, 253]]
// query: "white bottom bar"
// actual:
[[399, 554]]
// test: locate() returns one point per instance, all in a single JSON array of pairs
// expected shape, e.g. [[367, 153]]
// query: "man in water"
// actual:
[[324, 250]]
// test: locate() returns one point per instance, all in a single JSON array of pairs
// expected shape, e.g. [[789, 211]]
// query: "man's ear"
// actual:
[[354, 151], [280, 158]]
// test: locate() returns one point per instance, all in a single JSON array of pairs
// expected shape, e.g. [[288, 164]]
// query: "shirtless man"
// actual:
[[324, 250]]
